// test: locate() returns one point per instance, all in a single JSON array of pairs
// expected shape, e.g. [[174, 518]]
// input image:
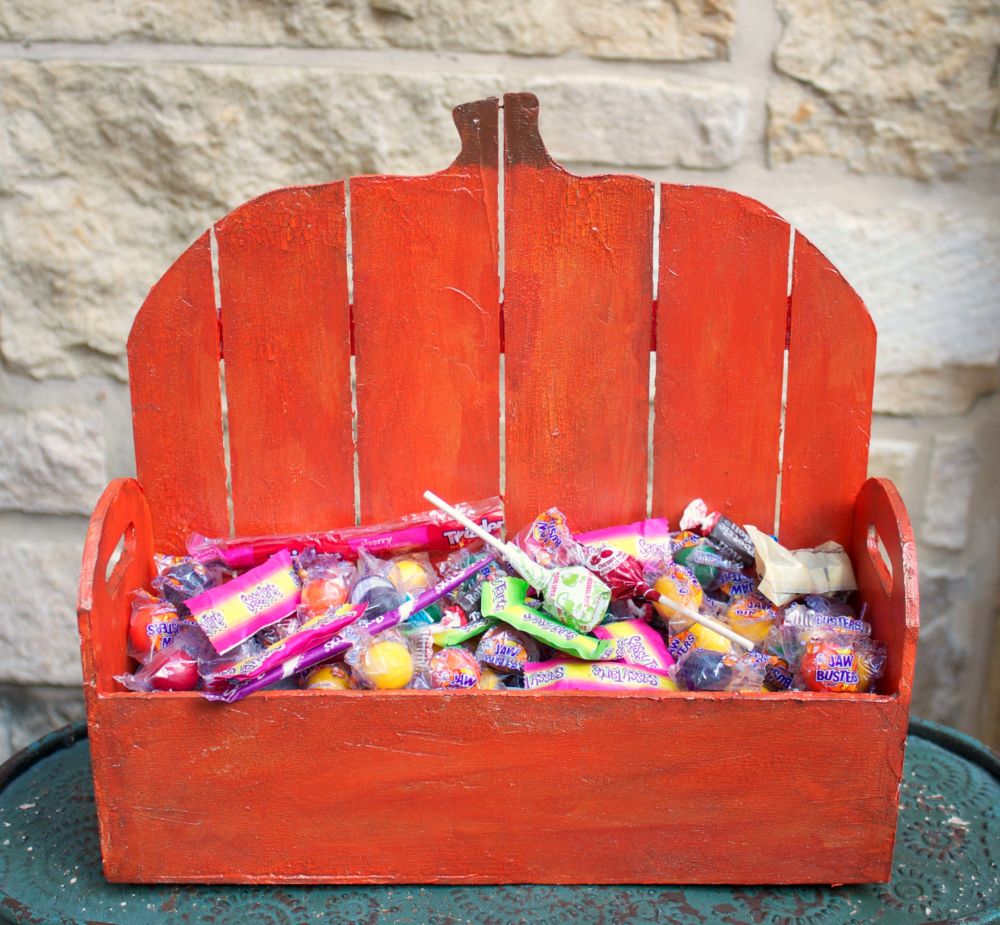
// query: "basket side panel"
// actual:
[[496, 788]]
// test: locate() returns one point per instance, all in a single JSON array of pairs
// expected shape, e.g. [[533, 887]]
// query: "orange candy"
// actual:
[[321, 594]]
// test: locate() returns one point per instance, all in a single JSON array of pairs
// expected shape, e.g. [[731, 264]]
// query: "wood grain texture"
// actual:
[[427, 327], [891, 592], [831, 372], [577, 324], [286, 345], [173, 361], [722, 313], [418, 787], [104, 602]]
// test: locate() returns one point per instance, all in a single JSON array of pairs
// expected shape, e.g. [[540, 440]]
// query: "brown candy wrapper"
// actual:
[[786, 574]]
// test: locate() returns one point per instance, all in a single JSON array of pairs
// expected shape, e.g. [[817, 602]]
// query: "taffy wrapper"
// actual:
[[786, 574], [637, 643], [504, 599], [432, 531], [233, 612], [566, 674], [311, 633]]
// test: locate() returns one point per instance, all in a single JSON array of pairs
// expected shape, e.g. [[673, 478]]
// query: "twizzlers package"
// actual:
[[235, 611]]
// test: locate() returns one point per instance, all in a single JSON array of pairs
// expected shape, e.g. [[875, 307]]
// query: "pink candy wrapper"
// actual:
[[432, 531], [645, 540], [636, 643], [235, 611], [566, 674], [312, 633]]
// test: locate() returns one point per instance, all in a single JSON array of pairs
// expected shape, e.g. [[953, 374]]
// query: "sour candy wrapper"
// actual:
[[566, 674]]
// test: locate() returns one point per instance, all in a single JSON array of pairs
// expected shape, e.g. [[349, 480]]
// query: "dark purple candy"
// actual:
[[703, 670]]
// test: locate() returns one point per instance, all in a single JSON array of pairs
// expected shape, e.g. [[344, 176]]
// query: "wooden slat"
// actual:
[[720, 338], [831, 371], [427, 327], [577, 321], [173, 360], [286, 345]]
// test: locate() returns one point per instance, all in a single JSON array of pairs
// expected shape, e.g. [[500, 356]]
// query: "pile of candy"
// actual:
[[438, 601]]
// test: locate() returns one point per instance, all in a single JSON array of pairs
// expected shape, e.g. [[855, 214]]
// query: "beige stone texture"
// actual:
[[128, 164], [51, 460], [901, 87], [38, 635], [930, 279], [954, 465], [682, 30]]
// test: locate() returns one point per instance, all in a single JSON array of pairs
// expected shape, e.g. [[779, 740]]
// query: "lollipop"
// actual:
[[572, 595]]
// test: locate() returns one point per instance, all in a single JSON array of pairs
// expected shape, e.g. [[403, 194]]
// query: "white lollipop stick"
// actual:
[[486, 537], [706, 621]]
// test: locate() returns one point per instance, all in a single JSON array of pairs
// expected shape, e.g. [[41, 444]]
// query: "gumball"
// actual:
[[454, 668], [702, 670], [151, 626], [751, 616], [832, 665], [377, 594], [179, 672], [408, 576], [387, 665], [679, 585], [322, 594], [328, 678]]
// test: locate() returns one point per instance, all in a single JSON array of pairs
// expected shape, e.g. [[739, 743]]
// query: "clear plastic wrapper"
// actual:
[[179, 578], [383, 662], [506, 649], [327, 580], [679, 585], [373, 587], [566, 674], [328, 678], [753, 616], [411, 574], [174, 667], [152, 625], [841, 662], [467, 594], [454, 668], [706, 670], [431, 531]]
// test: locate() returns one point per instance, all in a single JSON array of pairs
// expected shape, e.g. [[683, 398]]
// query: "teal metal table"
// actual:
[[945, 867]]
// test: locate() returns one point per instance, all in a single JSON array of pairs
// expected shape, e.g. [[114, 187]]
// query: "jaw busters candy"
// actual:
[[636, 643], [430, 531], [565, 674], [454, 668], [506, 649], [504, 598], [235, 611]]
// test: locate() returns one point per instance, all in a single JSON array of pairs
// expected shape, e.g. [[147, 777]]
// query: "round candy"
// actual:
[[178, 673], [152, 626], [322, 594], [678, 584], [702, 670], [835, 665], [328, 678], [387, 665], [378, 594], [408, 576], [454, 668], [751, 616], [506, 649], [706, 638]]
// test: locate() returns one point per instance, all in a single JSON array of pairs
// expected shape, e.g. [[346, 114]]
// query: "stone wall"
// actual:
[[127, 127]]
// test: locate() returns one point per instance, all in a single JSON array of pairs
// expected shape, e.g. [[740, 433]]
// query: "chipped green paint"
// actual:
[[946, 865]]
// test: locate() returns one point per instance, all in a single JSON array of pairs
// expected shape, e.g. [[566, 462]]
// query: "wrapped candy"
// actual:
[[646, 540], [235, 611], [723, 533], [153, 624], [566, 674], [174, 667], [637, 643], [454, 668], [841, 662], [752, 615], [328, 678], [429, 531], [506, 649], [179, 578], [326, 583], [705, 670], [383, 662]]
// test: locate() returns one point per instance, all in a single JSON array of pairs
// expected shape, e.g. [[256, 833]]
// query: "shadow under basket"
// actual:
[[509, 786]]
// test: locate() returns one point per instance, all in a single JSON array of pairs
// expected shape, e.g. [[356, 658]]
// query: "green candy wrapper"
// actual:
[[503, 598], [573, 595]]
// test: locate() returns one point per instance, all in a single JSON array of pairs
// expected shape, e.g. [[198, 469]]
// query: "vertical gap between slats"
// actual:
[[655, 263], [349, 244], [223, 401], [784, 381], [501, 275]]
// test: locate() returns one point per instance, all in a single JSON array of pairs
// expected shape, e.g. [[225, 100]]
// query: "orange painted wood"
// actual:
[[427, 327], [104, 602], [722, 312], [173, 361], [890, 590], [409, 787], [577, 324], [286, 345], [831, 372]]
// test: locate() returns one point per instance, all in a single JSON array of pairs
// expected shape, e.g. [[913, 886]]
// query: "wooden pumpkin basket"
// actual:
[[492, 787]]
